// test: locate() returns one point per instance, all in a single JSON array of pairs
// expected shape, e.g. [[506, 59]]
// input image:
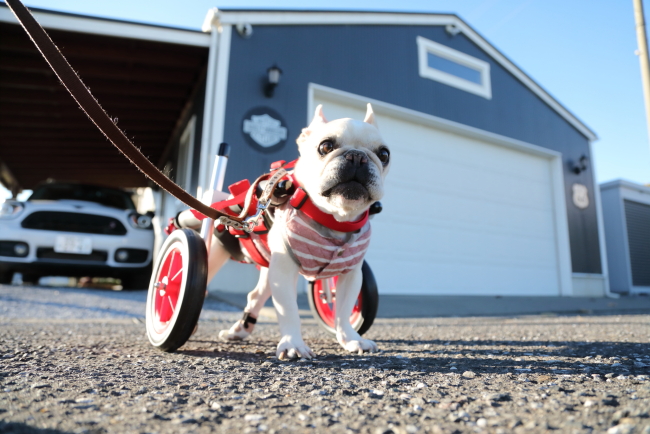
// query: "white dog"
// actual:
[[342, 167]]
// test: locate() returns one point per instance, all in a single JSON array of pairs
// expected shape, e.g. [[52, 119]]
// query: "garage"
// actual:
[[492, 190], [476, 214]]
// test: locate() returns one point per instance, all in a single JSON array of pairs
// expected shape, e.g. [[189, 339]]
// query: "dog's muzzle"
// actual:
[[353, 176]]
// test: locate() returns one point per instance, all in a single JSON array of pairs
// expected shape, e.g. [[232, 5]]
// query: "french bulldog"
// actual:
[[342, 167]]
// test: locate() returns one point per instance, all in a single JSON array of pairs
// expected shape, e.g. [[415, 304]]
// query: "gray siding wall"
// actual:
[[381, 62]]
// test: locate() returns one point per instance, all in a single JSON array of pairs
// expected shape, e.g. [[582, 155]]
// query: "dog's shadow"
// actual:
[[442, 356], [244, 351], [259, 350]]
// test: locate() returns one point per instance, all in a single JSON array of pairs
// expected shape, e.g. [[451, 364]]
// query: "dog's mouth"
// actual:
[[350, 190]]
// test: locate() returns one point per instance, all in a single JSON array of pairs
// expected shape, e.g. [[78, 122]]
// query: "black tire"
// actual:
[[31, 278], [169, 329], [369, 303], [136, 281], [5, 277]]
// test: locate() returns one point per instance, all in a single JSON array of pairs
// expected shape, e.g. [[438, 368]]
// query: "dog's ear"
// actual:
[[319, 119], [370, 117]]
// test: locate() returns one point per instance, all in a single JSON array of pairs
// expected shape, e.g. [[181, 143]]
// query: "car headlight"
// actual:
[[10, 210], [139, 221]]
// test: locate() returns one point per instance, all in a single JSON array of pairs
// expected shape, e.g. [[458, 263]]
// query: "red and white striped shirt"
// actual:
[[318, 255]]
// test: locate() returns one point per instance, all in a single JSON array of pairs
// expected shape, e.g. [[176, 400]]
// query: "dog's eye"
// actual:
[[326, 147], [384, 155]]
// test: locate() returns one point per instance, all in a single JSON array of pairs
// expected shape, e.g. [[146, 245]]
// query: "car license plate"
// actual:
[[73, 244]]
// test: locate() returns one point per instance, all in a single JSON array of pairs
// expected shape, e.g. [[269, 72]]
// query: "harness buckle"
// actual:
[[232, 223], [252, 221]]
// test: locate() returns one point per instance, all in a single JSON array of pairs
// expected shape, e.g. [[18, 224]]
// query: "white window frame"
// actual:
[[426, 46]]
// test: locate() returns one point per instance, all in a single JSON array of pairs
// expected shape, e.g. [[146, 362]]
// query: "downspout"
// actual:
[[601, 231]]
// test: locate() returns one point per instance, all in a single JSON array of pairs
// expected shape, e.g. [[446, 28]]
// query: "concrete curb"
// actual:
[[427, 306]]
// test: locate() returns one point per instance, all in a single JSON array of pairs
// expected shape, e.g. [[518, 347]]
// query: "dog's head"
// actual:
[[342, 164]]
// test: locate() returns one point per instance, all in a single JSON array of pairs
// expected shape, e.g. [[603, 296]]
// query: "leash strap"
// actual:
[[96, 113]]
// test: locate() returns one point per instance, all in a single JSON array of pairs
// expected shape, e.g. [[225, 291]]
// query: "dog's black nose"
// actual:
[[357, 158]]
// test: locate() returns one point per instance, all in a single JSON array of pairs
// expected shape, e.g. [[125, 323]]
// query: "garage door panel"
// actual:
[[439, 201], [461, 215], [430, 209], [435, 177], [455, 149], [440, 243], [396, 277]]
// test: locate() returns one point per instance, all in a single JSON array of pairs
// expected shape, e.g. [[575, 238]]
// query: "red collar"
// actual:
[[300, 200]]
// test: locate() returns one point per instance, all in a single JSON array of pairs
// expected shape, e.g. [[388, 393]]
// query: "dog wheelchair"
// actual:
[[177, 288]]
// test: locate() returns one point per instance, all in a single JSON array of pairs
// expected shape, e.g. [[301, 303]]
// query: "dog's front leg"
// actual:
[[347, 292], [283, 277]]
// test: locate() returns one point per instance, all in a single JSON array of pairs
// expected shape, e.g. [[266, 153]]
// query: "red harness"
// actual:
[[299, 200]]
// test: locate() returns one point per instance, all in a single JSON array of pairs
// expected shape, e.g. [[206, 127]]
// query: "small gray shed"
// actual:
[[626, 214]]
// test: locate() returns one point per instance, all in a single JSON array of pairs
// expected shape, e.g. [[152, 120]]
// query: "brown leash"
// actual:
[[98, 116]]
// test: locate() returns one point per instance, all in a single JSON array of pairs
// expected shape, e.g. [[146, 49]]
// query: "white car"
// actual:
[[67, 229]]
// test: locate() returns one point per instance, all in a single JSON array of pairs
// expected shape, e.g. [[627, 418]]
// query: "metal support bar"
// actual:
[[216, 186]]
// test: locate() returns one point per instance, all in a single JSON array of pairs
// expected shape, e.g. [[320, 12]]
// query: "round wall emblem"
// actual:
[[580, 195], [264, 129]]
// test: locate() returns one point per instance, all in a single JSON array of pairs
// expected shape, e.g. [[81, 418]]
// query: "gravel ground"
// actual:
[[65, 368]]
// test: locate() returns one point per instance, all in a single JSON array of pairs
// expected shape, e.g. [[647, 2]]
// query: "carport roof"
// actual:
[[143, 75]]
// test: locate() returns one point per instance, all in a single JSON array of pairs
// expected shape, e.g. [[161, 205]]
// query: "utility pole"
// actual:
[[642, 51]]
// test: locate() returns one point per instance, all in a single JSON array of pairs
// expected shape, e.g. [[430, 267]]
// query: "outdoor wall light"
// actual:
[[452, 29], [580, 166], [274, 74], [245, 30]]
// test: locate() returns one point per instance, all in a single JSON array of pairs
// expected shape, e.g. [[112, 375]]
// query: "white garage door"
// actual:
[[461, 215]]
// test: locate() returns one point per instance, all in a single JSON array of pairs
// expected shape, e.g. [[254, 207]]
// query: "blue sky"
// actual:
[[580, 51]]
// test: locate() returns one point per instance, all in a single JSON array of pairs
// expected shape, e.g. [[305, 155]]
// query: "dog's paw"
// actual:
[[293, 348], [236, 333], [357, 344]]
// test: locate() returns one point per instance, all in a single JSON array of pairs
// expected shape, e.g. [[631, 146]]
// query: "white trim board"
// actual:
[[119, 29], [217, 117], [565, 275], [208, 105], [399, 19]]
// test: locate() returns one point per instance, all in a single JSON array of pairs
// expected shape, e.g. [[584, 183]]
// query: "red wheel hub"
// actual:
[[167, 289], [327, 311]]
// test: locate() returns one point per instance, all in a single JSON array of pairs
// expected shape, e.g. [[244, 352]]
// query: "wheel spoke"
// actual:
[[172, 304], [176, 275], [171, 263], [167, 291]]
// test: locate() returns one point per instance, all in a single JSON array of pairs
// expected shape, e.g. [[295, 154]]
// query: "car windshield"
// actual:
[[89, 193]]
